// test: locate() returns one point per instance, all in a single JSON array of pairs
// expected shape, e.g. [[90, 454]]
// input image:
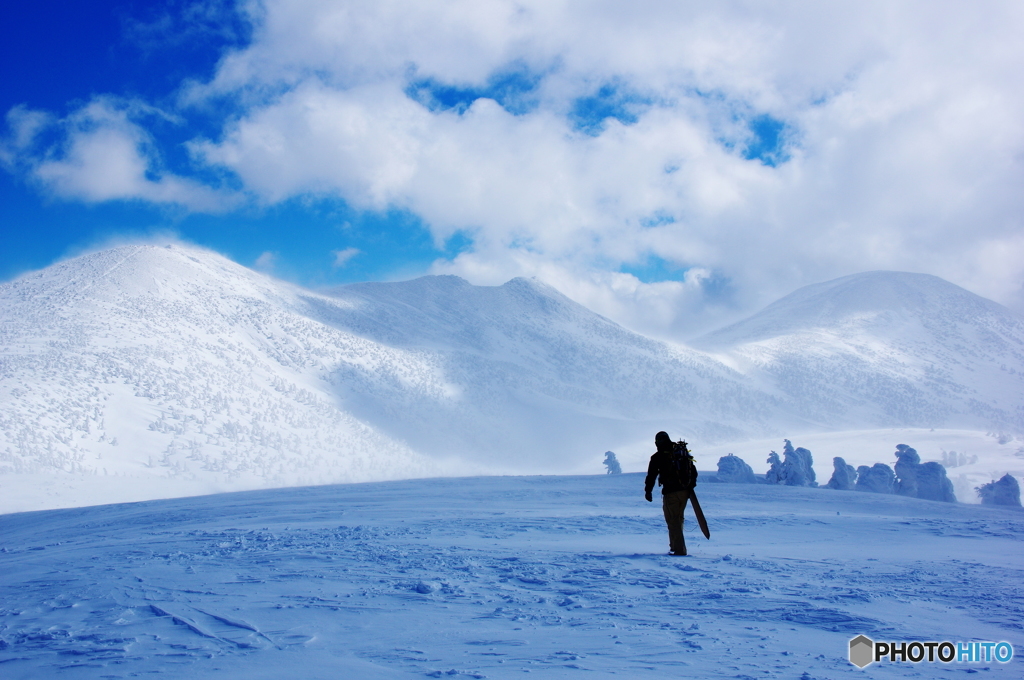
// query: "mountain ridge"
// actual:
[[913, 349], [856, 296], [216, 370], [174, 361]]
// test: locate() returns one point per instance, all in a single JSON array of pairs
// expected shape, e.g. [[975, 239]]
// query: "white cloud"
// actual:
[[906, 123], [341, 257], [23, 125], [669, 310], [104, 155]]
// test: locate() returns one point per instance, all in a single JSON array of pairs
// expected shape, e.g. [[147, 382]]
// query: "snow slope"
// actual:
[[885, 349], [175, 363], [145, 371], [493, 577], [537, 376], [180, 364]]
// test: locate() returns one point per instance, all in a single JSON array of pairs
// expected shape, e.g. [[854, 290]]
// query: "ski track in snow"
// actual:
[[494, 577]]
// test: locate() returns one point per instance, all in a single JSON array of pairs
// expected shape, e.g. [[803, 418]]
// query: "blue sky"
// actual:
[[672, 167], [146, 50]]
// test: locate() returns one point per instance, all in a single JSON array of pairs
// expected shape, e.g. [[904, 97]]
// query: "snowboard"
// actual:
[[695, 504]]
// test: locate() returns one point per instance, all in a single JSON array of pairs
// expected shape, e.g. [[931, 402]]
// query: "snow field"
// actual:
[[500, 576]]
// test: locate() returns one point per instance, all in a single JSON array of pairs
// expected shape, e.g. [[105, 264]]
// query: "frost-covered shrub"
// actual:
[[612, 463], [1005, 491], [879, 478], [844, 477], [734, 470], [795, 470]]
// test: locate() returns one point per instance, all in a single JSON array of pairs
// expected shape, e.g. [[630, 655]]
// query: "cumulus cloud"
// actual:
[[100, 153], [750, 147], [771, 144]]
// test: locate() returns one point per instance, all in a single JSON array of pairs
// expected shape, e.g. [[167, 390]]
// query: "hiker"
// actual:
[[672, 466]]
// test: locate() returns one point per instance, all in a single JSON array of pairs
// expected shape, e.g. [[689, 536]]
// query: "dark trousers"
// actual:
[[673, 504]]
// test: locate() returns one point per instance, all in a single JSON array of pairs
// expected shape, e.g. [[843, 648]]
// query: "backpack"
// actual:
[[679, 468]]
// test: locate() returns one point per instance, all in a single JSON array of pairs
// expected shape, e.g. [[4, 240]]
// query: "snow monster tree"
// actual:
[[844, 476], [612, 463], [734, 470], [921, 480], [879, 478], [795, 470], [1004, 491]]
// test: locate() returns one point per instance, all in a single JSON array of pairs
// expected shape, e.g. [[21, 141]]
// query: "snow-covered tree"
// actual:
[[774, 474], [844, 476], [795, 470], [933, 485], [879, 478], [1004, 491], [798, 466], [733, 469], [612, 463], [921, 480], [907, 462]]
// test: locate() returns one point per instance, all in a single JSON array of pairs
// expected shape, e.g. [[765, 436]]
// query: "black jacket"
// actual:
[[661, 466]]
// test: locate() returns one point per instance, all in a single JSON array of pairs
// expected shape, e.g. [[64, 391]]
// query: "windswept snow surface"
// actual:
[[493, 577]]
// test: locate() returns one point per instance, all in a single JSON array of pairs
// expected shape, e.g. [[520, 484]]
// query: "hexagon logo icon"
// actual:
[[861, 651]]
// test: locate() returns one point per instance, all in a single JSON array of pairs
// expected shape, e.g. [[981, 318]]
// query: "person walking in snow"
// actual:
[[672, 467]]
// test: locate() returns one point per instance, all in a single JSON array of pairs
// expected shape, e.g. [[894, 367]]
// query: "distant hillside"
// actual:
[[886, 348], [180, 363], [535, 374], [176, 362]]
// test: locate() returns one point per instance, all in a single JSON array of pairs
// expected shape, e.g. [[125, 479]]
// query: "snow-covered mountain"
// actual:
[[887, 348], [533, 374], [178, 362], [173, 362]]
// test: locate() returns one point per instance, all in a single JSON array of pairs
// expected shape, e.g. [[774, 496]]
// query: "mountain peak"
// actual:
[[876, 298], [908, 349], [166, 272], [176, 361]]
